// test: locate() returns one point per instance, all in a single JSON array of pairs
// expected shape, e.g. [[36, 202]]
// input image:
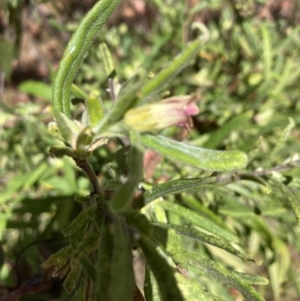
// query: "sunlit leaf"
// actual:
[[176, 186], [200, 221], [220, 273], [196, 234], [195, 156]]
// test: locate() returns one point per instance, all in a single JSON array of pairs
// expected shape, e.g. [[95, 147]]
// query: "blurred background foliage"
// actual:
[[248, 77]]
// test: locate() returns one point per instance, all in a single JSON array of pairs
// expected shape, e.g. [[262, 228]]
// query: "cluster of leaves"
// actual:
[[196, 230]]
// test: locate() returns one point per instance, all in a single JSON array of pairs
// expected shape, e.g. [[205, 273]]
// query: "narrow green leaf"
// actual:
[[122, 283], [191, 290], [176, 186], [124, 195], [78, 92], [35, 175], [7, 50], [36, 88], [267, 52], [60, 256], [162, 271], [195, 156], [138, 221], [85, 247], [237, 122], [80, 294], [209, 239], [76, 51], [107, 59], [252, 278], [151, 290], [282, 138], [155, 85], [72, 278], [200, 221], [76, 237], [78, 222], [104, 261], [218, 272], [289, 198], [89, 268]]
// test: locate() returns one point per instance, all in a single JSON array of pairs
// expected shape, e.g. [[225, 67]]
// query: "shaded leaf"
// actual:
[[72, 278], [78, 222], [151, 290], [162, 271], [122, 282], [123, 197], [89, 268], [104, 261]]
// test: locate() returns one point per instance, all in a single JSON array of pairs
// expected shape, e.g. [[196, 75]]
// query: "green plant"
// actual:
[[177, 225]]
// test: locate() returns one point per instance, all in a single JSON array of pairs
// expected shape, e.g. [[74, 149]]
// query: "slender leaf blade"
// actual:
[[176, 186], [162, 271], [198, 220], [195, 156], [218, 272], [122, 282], [196, 234]]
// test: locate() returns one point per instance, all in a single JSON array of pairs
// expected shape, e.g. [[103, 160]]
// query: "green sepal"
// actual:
[[95, 108], [68, 129], [83, 143]]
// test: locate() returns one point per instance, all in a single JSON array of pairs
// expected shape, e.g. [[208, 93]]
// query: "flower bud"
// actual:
[[168, 112]]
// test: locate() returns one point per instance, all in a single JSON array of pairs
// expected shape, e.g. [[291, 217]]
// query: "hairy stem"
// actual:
[[88, 170]]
